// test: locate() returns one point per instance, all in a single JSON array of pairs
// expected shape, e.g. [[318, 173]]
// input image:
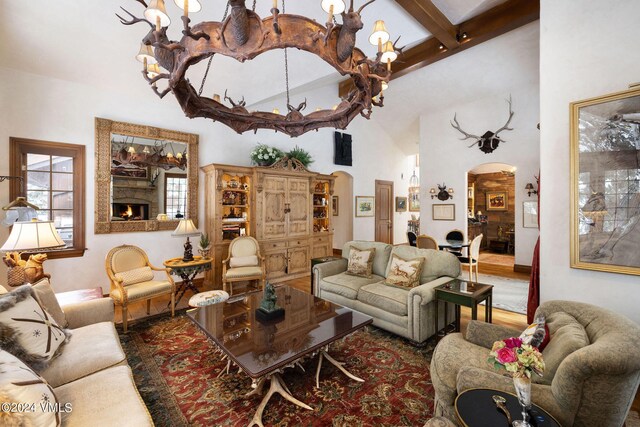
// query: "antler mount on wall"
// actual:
[[243, 35], [489, 141]]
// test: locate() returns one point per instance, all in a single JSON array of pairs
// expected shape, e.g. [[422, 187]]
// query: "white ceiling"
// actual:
[[84, 42]]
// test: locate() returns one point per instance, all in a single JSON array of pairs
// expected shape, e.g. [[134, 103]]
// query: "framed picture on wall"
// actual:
[[604, 183], [365, 206], [335, 205], [497, 201], [446, 212], [414, 204], [401, 204], [530, 214]]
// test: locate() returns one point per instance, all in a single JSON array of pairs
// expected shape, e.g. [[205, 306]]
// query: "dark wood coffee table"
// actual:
[[262, 350]]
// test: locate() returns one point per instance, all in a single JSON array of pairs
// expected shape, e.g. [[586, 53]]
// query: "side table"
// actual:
[[464, 293], [316, 261], [476, 408], [187, 270]]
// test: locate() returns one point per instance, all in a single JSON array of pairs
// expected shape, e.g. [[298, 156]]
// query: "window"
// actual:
[[54, 178], [175, 194]]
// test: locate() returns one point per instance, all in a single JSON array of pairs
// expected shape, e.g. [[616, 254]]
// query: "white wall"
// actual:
[[38, 107], [475, 84], [585, 51], [343, 222]]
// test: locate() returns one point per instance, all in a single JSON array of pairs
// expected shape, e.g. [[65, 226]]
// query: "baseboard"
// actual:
[[337, 252], [522, 268]]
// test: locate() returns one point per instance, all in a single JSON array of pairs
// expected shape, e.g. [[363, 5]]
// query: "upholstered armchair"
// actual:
[[243, 263], [132, 279], [592, 366]]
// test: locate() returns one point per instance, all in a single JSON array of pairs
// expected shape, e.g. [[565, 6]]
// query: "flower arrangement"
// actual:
[[516, 357], [264, 155]]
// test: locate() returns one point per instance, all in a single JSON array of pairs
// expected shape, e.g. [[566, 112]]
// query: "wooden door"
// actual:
[[273, 207], [299, 261], [384, 211], [299, 205]]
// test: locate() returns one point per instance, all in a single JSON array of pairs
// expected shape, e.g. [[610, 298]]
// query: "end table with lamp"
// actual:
[[187, 229]]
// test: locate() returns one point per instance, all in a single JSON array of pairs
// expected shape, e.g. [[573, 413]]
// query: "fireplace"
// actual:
[[131, 211]]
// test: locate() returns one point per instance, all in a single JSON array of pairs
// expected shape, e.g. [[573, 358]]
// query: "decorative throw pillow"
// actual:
[[27, 330], [537, 333], [360, 262], [403, 272], [29, 398], [137, 275], [47, 298], [243, 261]]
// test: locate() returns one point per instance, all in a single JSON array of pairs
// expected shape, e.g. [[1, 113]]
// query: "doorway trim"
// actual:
[[378, 208]]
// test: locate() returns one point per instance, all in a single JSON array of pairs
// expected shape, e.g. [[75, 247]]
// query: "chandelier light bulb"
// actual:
[[179, 156], [169, 155], [379, 36], [153, 70], [338, 7], [146, 51], [192, 6], [157, 13], [132, 150], [388, 53], [276, 111], [146, 150], [385, 85]]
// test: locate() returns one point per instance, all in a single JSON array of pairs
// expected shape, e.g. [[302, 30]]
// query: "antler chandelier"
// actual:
[[243, 35]]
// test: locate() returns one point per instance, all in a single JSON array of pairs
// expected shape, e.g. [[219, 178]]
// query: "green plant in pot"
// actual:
[[204, 246], [263, 155], [301, 155]]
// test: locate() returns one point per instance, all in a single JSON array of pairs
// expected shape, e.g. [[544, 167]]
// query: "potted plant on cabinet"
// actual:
[[263, 155], [204, 246]]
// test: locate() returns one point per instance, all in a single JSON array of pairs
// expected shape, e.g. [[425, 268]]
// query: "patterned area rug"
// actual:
[[176, 371]]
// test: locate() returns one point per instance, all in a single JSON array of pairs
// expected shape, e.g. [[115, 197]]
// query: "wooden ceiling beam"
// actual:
[[430, 17], [497, 21]]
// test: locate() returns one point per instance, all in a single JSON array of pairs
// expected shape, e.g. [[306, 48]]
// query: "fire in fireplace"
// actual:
[[131, 211]]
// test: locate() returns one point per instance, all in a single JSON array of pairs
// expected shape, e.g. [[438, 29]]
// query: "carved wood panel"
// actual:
[[276, 263], [273, 207], [321, 250], [299, 261], [299, 221]]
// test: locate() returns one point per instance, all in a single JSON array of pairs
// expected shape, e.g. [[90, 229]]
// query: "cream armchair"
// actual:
[[243, 263], [132, 279]]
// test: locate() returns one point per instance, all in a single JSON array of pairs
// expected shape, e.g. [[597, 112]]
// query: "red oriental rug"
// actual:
[[176, 371]]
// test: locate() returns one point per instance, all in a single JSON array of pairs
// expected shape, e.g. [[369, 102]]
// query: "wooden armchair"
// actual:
[[243, 263], [132, 279]]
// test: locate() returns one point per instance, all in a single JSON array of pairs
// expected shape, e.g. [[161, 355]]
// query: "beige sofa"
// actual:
[[405, 312], [592, 366], [91, 372]]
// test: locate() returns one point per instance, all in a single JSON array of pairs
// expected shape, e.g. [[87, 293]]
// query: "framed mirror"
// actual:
[[146, 177], [605, 187]]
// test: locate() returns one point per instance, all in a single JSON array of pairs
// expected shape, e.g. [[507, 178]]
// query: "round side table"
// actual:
[[187, 270], [476, 408]]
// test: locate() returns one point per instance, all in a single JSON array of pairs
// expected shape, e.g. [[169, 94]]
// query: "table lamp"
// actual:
[[29, 236], [186, 229]]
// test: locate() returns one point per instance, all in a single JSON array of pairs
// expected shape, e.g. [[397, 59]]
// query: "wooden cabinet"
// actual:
[[285, 207]]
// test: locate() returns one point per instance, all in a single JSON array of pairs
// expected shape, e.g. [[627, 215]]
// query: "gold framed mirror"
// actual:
[[146, 177], [605, 183]]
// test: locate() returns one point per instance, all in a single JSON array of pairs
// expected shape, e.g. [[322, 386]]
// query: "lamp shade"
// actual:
[[185, 229], [146, 51], [33, 235], [157, 9], [385, 85], [192, 5], [338, 6], [153, 70], [388, 53], [379, 34]]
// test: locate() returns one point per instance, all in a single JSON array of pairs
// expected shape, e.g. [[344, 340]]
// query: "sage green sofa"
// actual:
[[592, 365], [405, 312]]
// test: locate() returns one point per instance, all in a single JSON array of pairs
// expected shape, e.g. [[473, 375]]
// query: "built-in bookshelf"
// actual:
[[321, 207], [235, 202]]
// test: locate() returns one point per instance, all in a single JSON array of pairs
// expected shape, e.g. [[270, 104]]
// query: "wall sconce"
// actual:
[[530, 189], [443, 194]]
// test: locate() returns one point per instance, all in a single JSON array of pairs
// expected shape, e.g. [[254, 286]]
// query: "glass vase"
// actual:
[[523, 391]]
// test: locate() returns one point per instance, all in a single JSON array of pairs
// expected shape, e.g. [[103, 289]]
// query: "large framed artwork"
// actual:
[[530, 214], [365, 206], [605, 183], [401, 204], [497, 201], [445, 212]]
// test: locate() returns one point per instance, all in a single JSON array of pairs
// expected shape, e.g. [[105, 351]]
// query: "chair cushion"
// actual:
[[48, 300], [19, 384], [388, 298], [239, 272], [137, 275], [27, 330], [108, 398], [243, 261], [142, 290], [207, 298], [567, 336], [347, 285], [92, 349], [360, 262], [404, 273]]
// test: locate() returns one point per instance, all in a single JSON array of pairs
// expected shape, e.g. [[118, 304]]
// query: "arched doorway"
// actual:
[[491, 211], [342, 216]]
